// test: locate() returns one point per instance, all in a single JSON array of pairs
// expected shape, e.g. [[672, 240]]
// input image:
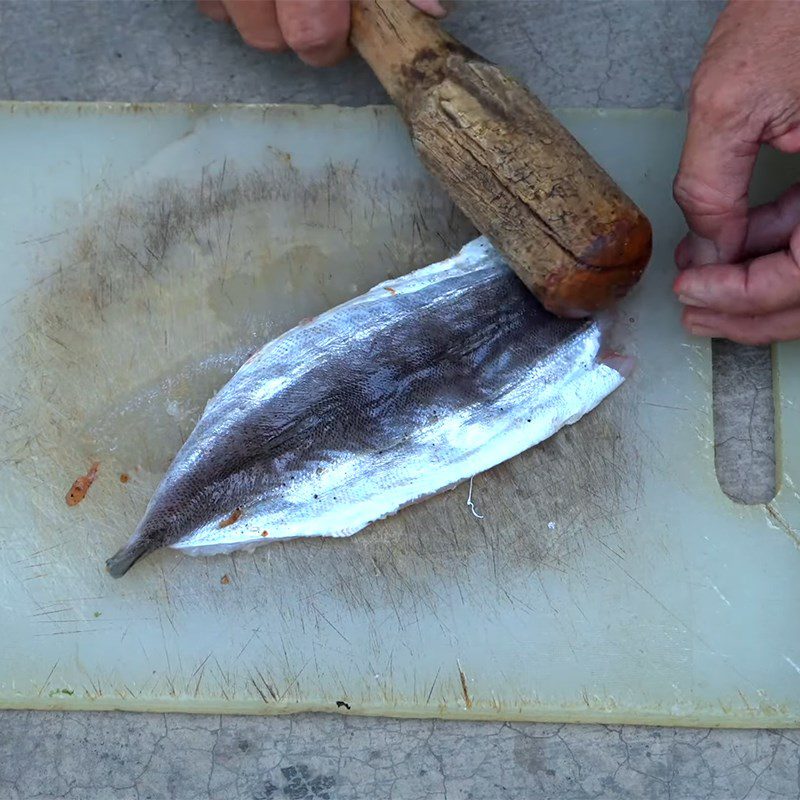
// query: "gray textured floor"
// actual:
[[638, 54], [143, 756], [574, 53]]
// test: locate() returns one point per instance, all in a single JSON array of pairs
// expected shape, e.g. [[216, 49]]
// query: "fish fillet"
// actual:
[[389, 398]]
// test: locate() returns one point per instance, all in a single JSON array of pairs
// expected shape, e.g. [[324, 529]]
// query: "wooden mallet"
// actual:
[[571, 234]]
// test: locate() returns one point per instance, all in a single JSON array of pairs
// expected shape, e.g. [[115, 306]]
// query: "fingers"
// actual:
[[769, 283], [715, 169], [770, 226], [214, 9], [257, 23], [779, 326], [316, 30]]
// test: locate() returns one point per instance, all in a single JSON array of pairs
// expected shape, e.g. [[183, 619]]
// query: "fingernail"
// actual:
[[697, 251], [686, 300]]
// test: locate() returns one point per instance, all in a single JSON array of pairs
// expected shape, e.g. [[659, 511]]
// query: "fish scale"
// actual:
[[387, 399]]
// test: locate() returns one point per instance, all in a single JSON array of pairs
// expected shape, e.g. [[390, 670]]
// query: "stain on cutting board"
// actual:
[[160, 297]]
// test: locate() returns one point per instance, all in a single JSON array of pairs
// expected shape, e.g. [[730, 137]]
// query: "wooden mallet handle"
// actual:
[[576, 240]]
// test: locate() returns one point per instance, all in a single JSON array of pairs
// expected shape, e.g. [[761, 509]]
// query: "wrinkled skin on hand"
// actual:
[[740, 267], [316, 30]]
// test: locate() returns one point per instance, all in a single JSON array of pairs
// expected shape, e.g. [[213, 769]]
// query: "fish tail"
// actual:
[[124, 559]]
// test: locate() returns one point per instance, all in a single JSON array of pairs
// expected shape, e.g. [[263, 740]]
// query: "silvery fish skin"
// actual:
[[400, 393]]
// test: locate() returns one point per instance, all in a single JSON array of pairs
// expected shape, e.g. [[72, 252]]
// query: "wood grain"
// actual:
[[576, 240]]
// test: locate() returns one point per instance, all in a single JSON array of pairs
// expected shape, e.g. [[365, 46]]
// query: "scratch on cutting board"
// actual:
[[267, 686], [464, 689], [247, 643], [430, 693], [744, 700], [294, 680], [261, 694], [47, 679], [721, 596], [782, 524], [201, 669], [792, 664]]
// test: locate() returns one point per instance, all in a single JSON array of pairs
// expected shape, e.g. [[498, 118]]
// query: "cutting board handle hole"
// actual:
[[744, 422]]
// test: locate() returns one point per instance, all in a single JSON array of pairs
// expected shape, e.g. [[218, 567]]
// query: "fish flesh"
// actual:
[[387, 399]]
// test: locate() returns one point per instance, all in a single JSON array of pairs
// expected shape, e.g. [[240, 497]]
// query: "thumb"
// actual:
[[711, 186]]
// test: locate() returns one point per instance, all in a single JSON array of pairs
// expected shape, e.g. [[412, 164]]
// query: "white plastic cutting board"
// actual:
[[145, 251]]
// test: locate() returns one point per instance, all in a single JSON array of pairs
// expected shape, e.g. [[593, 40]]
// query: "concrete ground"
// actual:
[[573, 53]]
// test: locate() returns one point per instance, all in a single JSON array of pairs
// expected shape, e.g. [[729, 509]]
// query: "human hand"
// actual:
[[740, 267], [316, 30]]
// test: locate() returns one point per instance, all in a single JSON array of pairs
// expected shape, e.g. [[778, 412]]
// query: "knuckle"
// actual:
[[714, 98], [705, 202], [682, 189], [689, 192]]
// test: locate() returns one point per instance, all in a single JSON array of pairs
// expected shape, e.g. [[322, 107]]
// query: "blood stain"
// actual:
[[81, 486], [237, 513]]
